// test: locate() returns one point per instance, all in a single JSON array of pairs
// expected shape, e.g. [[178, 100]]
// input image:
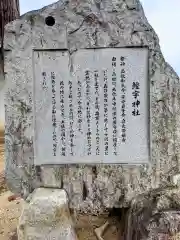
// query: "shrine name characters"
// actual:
[[136, 95]]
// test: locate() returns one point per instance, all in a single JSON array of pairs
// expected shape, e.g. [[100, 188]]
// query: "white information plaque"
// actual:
[[91, 107]]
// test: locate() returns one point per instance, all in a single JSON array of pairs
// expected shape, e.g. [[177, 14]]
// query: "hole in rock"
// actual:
[[50, 21]]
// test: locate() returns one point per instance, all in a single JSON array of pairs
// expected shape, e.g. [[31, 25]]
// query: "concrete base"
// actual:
[[46, 216]]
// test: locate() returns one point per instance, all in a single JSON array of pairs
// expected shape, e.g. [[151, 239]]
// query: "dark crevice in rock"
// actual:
[[85, 191]]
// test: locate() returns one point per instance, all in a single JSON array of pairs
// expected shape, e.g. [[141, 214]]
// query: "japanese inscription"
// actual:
[[123, 99], [88, 112], [114, 105], [105, 113], [63, 131], [91, 107], [97, 109], [54, 124]]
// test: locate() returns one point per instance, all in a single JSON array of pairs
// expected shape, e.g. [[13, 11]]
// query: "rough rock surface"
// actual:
[[88, 24], [46, 216], [155, 215]]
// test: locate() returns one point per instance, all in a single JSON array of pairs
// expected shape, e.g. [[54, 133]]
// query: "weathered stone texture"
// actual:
[[46, 216], [155, 215], [88, 24]]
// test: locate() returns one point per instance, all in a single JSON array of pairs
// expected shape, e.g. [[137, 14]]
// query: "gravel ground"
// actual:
[[9, 211], [9, 215]]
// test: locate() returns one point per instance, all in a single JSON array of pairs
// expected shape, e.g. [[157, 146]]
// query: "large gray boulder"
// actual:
[[88, 24]]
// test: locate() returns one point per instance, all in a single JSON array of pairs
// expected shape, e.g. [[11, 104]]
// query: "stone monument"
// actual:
[[91, 105]]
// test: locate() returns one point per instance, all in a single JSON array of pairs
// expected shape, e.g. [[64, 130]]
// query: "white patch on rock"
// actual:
[[46, 216]]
